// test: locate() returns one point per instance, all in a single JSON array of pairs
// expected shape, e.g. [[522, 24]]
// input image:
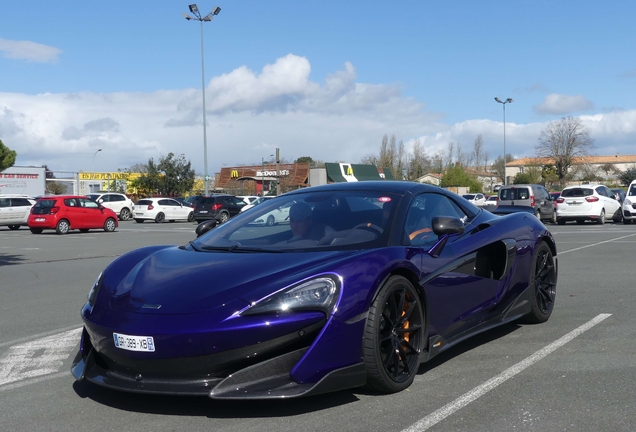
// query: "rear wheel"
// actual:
[[160, 218], [191, 217], [553, 219], [271, 220], [62, 227], [36, 230], [224, 217], [543, 278], [124, 214], [14, 227], [601, 218], [393, 336], [110, 225], [618, 217]]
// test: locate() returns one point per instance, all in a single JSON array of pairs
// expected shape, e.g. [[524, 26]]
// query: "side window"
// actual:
[[70, 202], [114, 198], [173, 203], [5, 202], [418, 225], [20, 202], [163, 202], [85, 202], [601, 191], [106, 198]]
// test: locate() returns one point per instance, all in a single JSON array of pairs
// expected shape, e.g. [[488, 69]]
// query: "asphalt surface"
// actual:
[[574, 373]]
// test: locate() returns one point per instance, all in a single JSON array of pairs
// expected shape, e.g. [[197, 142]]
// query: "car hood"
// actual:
[[182, 281]]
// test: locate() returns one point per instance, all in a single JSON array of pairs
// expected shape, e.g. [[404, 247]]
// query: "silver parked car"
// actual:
[[529, 195]]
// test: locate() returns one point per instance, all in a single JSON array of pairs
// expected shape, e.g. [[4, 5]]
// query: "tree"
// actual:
[[172, 176], [479, 156], [627, 176], [304, 159], [455, 175], [498, 166], [564, 140], [7, 157]]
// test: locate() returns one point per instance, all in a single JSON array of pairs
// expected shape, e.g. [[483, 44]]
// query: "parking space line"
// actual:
[[595, 244], [447, 410]]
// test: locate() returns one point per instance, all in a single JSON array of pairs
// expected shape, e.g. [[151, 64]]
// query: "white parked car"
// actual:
[[15, 210], [491, 202], [119, 203], [257, 202], [248, 199], [588, 202], [276, 216], [478, 199], [629, 204], [161, 210]]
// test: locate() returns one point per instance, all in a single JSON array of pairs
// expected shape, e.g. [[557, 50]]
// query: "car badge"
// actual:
[[151, 306]]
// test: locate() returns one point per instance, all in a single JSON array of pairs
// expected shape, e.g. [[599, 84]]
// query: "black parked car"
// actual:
[[220, 207]]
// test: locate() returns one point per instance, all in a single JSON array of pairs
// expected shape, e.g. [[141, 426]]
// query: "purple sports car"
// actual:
[[361, 284]]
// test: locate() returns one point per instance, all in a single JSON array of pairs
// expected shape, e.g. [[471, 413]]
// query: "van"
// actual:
[[529, 195]]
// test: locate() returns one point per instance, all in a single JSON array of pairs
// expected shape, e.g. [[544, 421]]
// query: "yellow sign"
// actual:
[[234, 174], [108, 176], [349, 170]]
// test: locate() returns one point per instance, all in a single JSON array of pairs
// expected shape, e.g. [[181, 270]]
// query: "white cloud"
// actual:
[[27, 50], [249, 115], [562, 104]]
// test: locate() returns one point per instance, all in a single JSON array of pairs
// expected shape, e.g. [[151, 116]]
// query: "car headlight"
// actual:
[[627, 202], [320, 293], [92, 294]]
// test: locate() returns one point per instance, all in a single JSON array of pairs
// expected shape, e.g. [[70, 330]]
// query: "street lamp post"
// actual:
[[504, 119], [263, 174], [197, 16], [97, 151]]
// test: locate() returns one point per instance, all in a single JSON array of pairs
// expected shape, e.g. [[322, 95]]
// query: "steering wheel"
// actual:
[[370, 227]]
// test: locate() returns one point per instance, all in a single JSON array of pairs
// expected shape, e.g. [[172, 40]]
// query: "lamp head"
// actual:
[[498, 100], [509, 100], [216, 10], [193, 8], [186, 16]]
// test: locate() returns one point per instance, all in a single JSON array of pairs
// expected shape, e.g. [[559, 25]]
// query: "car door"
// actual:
[[93, 214], [74, 213], [544, 201], [233, 205], [457, 280], [5, 211], [21, 208], [178, 211], [612, 205], [166, 209]]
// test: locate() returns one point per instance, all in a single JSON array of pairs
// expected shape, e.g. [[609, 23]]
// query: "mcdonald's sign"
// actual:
[[349, 170], [234, 174]]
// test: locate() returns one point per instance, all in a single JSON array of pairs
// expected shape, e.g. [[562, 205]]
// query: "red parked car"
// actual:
[[68, 212]]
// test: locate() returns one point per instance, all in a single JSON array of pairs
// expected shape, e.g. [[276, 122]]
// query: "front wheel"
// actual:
[[543, 279], [393, 337], [110, 225]]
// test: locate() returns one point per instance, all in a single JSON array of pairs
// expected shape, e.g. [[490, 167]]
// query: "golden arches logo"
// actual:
[[349, 170], [234, 174]]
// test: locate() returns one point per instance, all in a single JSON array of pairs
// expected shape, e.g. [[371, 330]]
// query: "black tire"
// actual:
[[160, 218], [110, 225], [14, 227], [191, 216], [36, 230], [271, 220], [63, 227], [84, 230], [393, 337], [553, 219], [619, 217], [124, 214], [140, 220], [223, 217], [543, 279], [601, 218]]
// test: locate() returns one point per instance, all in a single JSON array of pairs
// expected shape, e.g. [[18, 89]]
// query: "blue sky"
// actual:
[[324, 79]]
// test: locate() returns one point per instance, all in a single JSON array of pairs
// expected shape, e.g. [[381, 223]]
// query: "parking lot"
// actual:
[[574, 373]]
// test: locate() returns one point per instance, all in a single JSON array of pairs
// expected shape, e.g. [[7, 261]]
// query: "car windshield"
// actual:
[[632, 190], [307, 221], [577, 192], [513, 194], [93, 197], [469, 197], [43, 203]]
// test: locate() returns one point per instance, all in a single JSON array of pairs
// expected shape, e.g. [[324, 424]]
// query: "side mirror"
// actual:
[[204, 227], [444, 227], [101, 200]]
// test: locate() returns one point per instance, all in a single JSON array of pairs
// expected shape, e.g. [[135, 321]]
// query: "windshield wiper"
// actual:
[[239, 248]]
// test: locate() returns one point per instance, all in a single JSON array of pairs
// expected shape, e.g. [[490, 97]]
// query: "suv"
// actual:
[[220, 207], [530, 195], [14, 210], [588, 202], [119, 203]]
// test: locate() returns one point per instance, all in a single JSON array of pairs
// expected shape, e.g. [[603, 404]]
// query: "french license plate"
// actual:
[[134, 343], [40, 219], [139, 214], [203, 211]]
